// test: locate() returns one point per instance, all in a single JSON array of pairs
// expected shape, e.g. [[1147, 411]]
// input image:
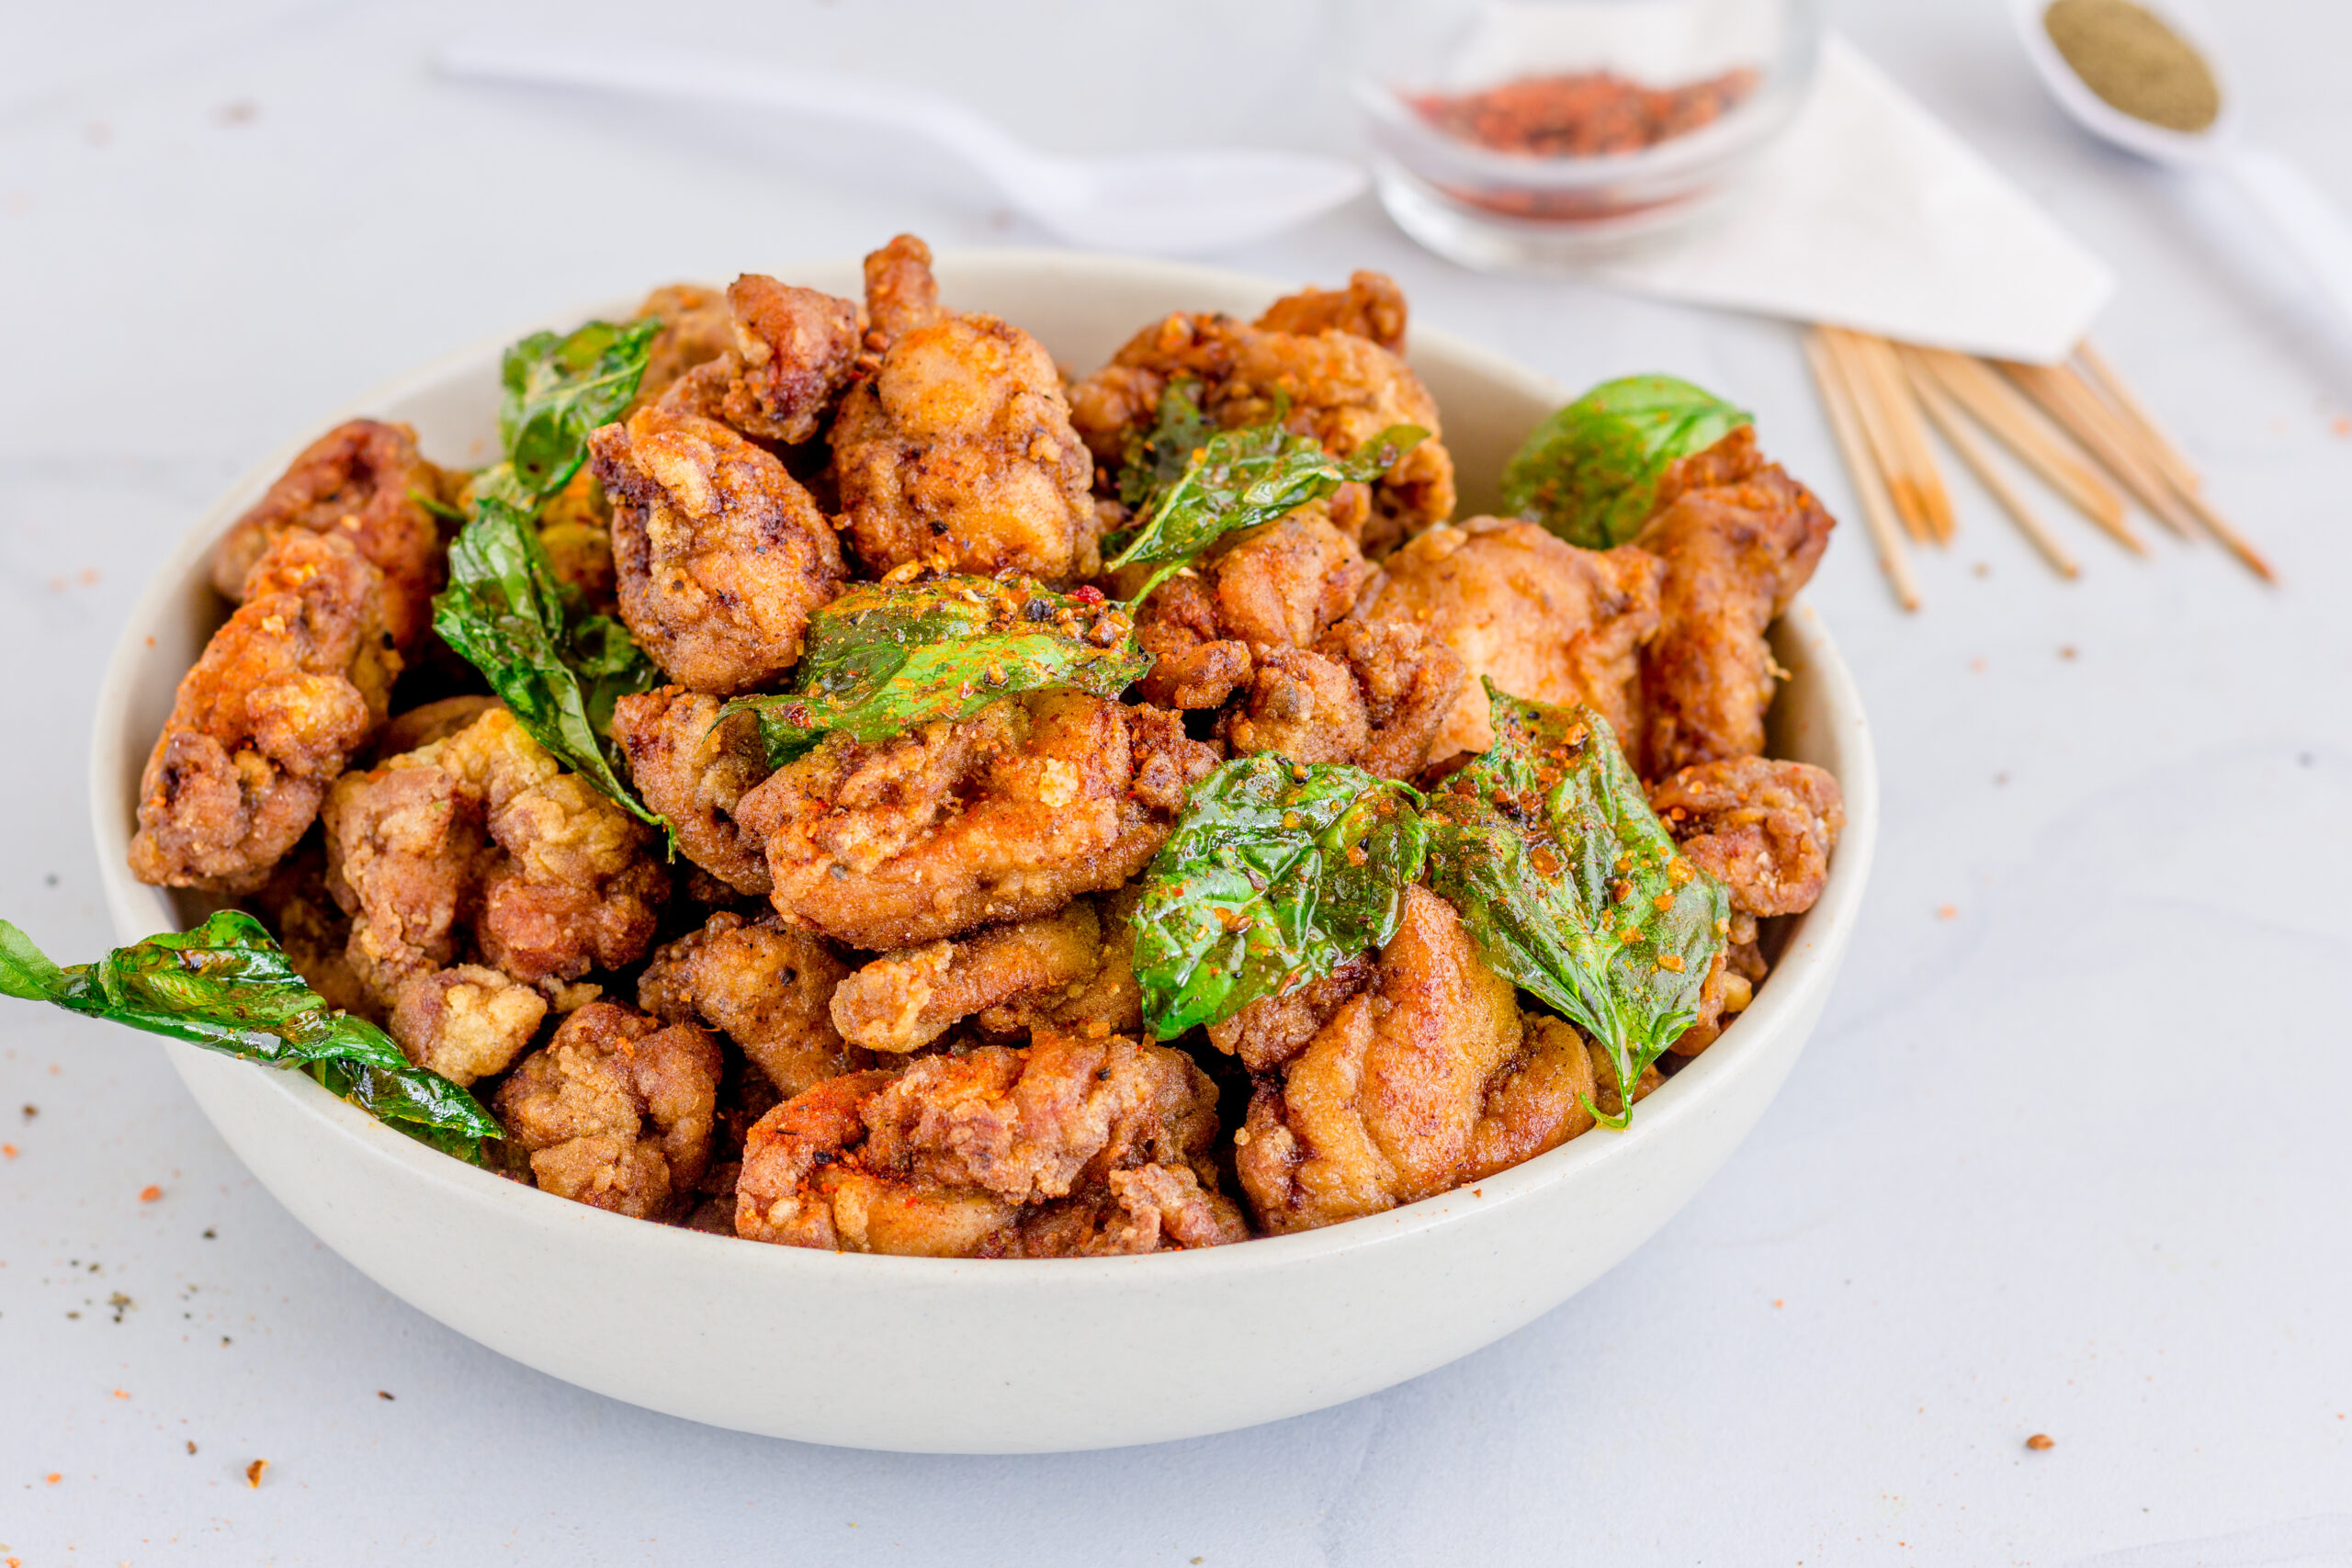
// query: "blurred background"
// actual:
[[2065, 1156]]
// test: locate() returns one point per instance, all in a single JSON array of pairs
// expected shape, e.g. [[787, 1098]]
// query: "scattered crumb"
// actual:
[[242, 112], [2000, 778], [149, 1192], [253, 1472], [151, 642], [383, 1393], [2342, 425], [122, 1393], [191, 1444], [1977, 665], [87, 577], [31, 1111], [1984, 568], [2040, 1441], [2066, 651], [1779, 1303], [9, 1151], [224, 1339], [121, 1303], [1946, 911], [210, 1235], [55, 1478]]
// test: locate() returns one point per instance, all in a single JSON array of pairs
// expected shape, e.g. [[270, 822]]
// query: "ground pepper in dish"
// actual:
[[2129, 58], [1584, 113]]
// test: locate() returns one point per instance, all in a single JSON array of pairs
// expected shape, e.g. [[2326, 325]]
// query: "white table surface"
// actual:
[[2067, 1156]]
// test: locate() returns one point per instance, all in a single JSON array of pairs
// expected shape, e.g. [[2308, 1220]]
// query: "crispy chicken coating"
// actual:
[[960, 451], [1373, 694], [1535, 1102], [283, 696], [902, 1001], [1546, 621], [1002, 815], [1333, 384], [722, 554], [693, 767], [697, 326], [1271, 1030], [575, 528], [363, 482], [766, 987], [1390, 1100], [617, 1111], [1370, 306], [943, 1158], [1738, 540], [1763, 827], [483, 835], [795, 349], [464, 1022], [1279, 585], [901, 292], [312, 929]]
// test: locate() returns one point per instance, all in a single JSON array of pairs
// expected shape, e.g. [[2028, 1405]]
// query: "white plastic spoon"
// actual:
[[2305, 217], [1159, 202]]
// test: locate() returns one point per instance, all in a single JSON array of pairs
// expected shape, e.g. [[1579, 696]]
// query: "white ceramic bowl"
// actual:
[[937, 1355]]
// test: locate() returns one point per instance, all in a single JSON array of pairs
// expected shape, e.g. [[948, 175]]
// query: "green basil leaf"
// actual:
[[558, 668], [1590, 472], [557, 388], [228, 987], [1571, 886], [1275, 875], [1156, 460], [886, 655], [1237, 478]]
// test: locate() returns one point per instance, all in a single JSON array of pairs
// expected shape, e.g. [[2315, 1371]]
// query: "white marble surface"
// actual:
[[2068, 1155]]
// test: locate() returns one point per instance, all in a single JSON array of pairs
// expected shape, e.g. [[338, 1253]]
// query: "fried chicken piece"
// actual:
[[1761, 826], [1271, 1030], [1537, 1100], [766, 987], [363, 482], [697, 326], [796, 348], [942, 1157], [1153, 1208], [1736, 549], [575, 528], [1545, 621], [960, 452], [1371, 307], [1382, 1106], [902, 1001], [282, 696], [1002, 815], [1373, 693], [722, 554], [483, 834], [1278, 585], [616, 1112], [464, 1022], [1334, 384], [422, 726], [694, 768]]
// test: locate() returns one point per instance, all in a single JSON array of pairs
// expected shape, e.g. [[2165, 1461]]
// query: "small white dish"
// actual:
[[993, 1357]]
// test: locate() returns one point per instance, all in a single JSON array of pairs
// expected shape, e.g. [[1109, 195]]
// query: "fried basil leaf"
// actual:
[[1237, 478], [559, 388], [227, 987], [1156, 460], [556, 664], [888, 656], [1275, 875], [557, 667], [1570, 885], [1590, 472]]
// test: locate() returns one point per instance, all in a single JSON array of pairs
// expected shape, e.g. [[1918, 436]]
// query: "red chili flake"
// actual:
[[147, 1194], [8, 1150], [1088, 593], [1670, 961], [2040, 1441], [1582, 114], [1663, 901]]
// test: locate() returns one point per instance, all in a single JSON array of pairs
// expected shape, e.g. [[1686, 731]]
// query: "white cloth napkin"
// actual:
[[1869, 213]]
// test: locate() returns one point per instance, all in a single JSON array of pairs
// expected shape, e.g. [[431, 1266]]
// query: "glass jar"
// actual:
[[1531, 135]]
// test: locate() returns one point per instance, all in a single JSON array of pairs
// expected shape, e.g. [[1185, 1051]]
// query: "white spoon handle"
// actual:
[[2302, 213], [1018, 170]]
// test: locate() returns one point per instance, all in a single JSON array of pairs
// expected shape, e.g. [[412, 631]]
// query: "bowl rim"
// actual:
[[1808, 963]]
